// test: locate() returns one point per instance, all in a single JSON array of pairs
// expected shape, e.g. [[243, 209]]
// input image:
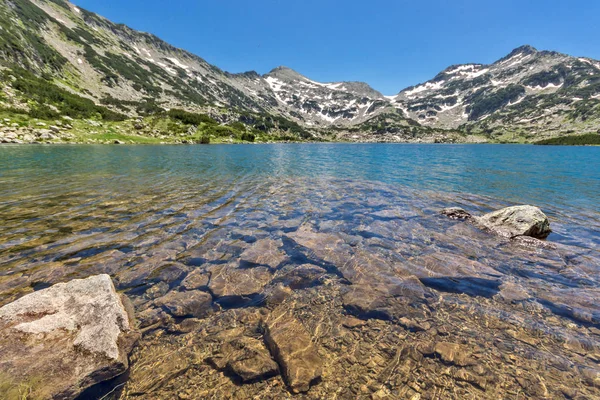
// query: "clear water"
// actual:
[[72, 211], [563, 181]]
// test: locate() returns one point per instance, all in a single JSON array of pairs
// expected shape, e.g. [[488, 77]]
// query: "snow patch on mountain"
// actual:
[[425, 87], [547, 86], [165, 67], [178, 63]]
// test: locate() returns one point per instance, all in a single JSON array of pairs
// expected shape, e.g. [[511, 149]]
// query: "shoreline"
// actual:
[[291, 142]]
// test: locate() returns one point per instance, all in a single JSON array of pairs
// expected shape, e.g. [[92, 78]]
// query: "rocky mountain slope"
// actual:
[[527, 95], [529, 92]]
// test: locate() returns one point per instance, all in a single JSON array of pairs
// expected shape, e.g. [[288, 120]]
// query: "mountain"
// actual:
[[59, 59], [529, 93]]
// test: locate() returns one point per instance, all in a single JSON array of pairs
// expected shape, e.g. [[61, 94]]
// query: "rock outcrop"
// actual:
[[59, 341], [510, 222]]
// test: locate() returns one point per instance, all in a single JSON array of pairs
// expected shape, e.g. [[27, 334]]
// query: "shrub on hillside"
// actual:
[[191, 118], [204, 140]]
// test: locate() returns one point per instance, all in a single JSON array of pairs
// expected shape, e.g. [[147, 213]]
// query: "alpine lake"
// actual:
[[343, 245]]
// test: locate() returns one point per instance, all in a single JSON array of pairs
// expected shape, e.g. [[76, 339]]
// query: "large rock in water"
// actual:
[[57, 342], [517, 221]]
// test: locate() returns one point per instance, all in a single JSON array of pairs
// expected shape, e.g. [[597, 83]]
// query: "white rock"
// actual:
[[69, 337]]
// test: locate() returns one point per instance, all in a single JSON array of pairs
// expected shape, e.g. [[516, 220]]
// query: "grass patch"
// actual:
[[574, 140], [45, 93], [23, 390]]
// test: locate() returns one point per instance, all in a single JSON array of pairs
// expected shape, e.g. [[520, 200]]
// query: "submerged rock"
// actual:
[[247, 358], [194, 303], [195, 280], [303, 276], [292, 347], [456, 213], [265, 252], [517, 221], [59, 341], [237, 286], [452, 353]]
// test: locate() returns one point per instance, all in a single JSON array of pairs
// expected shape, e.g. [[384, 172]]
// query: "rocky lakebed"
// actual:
[[318, 290]]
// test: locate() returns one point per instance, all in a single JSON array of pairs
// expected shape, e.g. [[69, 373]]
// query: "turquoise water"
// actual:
[[564, 181], [544, 175], [366, 216]]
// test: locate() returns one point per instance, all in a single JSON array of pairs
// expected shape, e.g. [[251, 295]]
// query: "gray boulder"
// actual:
[[59, 341], [517, 221], [28, 138], [45, 134]]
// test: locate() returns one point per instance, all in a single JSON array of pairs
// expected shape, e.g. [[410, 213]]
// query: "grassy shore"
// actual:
[[590, 139]]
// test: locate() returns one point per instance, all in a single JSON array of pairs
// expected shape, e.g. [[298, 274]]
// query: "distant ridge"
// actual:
[[527, 95]]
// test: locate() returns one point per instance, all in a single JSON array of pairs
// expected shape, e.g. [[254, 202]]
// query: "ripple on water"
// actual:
[[326, 243]]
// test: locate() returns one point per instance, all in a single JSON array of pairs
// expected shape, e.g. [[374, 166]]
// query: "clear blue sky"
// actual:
[[390, 44]]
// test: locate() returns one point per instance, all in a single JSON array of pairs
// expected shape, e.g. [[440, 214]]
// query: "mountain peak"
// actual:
[[286, 73], [281, 68], [525, 49], [522, 50]]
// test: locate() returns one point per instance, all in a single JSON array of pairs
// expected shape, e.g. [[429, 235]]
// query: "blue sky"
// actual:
[[390, 44]]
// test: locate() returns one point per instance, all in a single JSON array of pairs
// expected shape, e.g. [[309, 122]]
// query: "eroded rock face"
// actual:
[[292, 347], [59, 341], [517, 221]]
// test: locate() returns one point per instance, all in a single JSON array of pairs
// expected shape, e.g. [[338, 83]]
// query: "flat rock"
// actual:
[[302, 276], [386, 301], [517, 221], [157, 367], [194, 303], [247, 358], [452, 353], [59, 341], [328, 247], [195, 280], [265, 252], [292, 347], [351, 322], [238, 285]]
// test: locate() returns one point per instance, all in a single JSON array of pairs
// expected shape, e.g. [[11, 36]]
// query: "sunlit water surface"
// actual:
[[72, 211]]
